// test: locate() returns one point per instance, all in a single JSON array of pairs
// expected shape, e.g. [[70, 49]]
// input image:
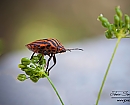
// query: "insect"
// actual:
[[48, 47]]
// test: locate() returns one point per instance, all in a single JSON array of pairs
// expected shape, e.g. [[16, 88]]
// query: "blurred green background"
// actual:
[[24, 21]]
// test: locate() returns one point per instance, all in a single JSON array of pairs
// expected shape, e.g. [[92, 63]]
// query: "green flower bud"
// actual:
[[127, 19], [113, 28], [104, 24], [116, 20], [34, 78], [118, 12], [104, 21], [25, 61], [22, 66], [29, 72], [127, 26], [24, 69], [110, 28], [21, 77], [108, 34]]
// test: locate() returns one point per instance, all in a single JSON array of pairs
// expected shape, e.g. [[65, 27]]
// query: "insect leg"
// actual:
[[54, 60], [32, 55], [48, 61]]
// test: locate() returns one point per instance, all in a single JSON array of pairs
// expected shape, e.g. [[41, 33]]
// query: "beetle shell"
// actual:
[[46, 46]]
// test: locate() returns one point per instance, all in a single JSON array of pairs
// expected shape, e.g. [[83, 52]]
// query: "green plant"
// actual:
[[35, 70], [119, 29]]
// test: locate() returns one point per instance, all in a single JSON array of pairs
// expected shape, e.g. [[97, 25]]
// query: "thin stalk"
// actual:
[[105, 76], [54, 88]]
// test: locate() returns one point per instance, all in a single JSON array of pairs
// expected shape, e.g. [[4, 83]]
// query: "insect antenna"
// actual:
[[74, 49]]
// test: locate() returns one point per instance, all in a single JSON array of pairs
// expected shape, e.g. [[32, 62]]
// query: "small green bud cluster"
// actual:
[[120, 27], [34, 69]]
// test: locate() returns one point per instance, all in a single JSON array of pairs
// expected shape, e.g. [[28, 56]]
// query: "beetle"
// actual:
[[48, 47]]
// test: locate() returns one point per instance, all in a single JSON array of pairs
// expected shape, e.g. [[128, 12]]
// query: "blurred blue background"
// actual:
[[77, 75]]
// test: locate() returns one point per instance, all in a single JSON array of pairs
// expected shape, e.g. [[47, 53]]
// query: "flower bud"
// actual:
[[34, 79], [127, 19], [22, 66], [108, 34], [25, 69], [104, 24], [29, 72], [25, 61], [21, 77], [127, 26], [104, 21], [110, 27], [116, 20], [118, 12]]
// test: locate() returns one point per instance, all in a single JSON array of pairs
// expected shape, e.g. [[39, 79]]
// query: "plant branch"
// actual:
[[54, 88], [105, 76]]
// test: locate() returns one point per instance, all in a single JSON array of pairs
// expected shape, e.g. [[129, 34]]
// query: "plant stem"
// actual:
[[54, 88], [105, 76]]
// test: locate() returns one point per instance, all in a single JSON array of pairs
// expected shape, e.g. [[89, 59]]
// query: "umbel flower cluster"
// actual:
[[120, 27], [34, 69]]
